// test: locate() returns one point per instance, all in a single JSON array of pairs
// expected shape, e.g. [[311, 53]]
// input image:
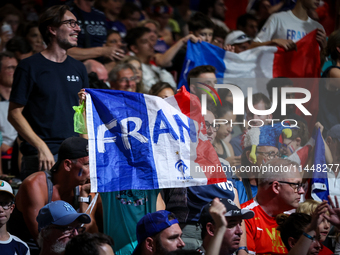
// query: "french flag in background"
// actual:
[[262, 62], [142, 142]]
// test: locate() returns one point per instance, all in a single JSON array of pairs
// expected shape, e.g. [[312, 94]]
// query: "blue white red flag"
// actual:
[[141, 142], [319, 182], [261, 62]]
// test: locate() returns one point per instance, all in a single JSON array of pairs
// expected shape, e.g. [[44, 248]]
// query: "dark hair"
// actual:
[[127, 10], [243, 19], [257, 98], [111, 31], [159, 86], [51, 18], [222, 110], [301, 132], [332, 44], [9, 9], [200, 21], [220, 32], [87, 244], [292, 226], [18, 43], [204, 6], [278, 82], [195, 72], [134, 34], [5, 54], [28, 27]]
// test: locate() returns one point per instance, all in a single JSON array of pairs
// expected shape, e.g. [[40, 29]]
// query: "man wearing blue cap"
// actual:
[[58, 222], [158, 233]]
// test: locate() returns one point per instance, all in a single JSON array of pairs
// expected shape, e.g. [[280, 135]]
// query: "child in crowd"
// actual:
[[9, 245]]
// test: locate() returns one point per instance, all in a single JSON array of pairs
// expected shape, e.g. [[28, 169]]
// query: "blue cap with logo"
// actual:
[[60, 213], [151, 224]]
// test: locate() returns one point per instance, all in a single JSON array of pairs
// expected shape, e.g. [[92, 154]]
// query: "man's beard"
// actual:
[[58, 247], [160, 250]]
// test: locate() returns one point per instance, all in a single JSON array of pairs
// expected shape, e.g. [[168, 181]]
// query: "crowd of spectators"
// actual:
[[51, 50]]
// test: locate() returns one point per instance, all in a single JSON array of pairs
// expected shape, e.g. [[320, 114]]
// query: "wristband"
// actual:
[[242, 248], [85, 199], [309, 236]]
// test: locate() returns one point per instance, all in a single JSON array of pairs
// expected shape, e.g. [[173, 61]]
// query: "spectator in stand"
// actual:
[[90, 244], [277, 192], [32, 103], [111, 9], [58, 222], [123, 77], [158, 233], [19, 47], [200, 26], [219, 36], [93, 33], [299, 232], [285, 28], [233, 217], [9, 244], [161, 12], [32, 34], [223, 149], [137, 64], [8, 64], [248, 24], [128, 18], [114, 40], [98, 68], [159, 44], [329, 93], [139, 42], [239, 40], [310, 207], [162, 89], [11, 17], [215, 10], [67, 180]]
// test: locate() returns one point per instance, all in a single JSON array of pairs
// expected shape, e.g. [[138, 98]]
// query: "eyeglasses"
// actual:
[[295, 185], [211, 125], [125, 79], [68, 230], [270, 154], [71, 22], [6, 205]]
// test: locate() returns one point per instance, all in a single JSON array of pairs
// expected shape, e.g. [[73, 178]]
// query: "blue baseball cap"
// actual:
[[60, 213], [151, 224]]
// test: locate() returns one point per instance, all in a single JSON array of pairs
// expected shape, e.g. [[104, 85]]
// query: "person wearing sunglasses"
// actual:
[[58, 222], [9, 244]]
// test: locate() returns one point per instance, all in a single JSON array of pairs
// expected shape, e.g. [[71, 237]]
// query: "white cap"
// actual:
[[236, 37], [5, 187]]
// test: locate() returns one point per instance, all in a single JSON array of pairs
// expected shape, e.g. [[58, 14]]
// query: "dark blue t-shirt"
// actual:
[[48, 90], [14, 246], [95, 25]]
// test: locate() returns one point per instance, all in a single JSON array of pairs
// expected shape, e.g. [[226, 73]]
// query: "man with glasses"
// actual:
[[58, 222], [45, 88], [279, 190], [123, 77], [9, 244]]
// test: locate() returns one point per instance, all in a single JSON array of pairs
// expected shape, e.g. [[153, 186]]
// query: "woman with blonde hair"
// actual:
[[137, 64]]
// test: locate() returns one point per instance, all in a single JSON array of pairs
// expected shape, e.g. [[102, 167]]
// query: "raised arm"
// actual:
[[96, 52]]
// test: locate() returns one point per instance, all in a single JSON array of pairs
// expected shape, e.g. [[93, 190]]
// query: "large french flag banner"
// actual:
[[262, 62], [141, 142]]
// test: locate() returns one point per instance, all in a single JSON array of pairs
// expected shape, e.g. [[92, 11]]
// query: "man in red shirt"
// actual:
[[279, 190]]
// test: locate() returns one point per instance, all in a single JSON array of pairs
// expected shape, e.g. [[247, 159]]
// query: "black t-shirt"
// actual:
[[48, 90], [93, 27], [329, 104]]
